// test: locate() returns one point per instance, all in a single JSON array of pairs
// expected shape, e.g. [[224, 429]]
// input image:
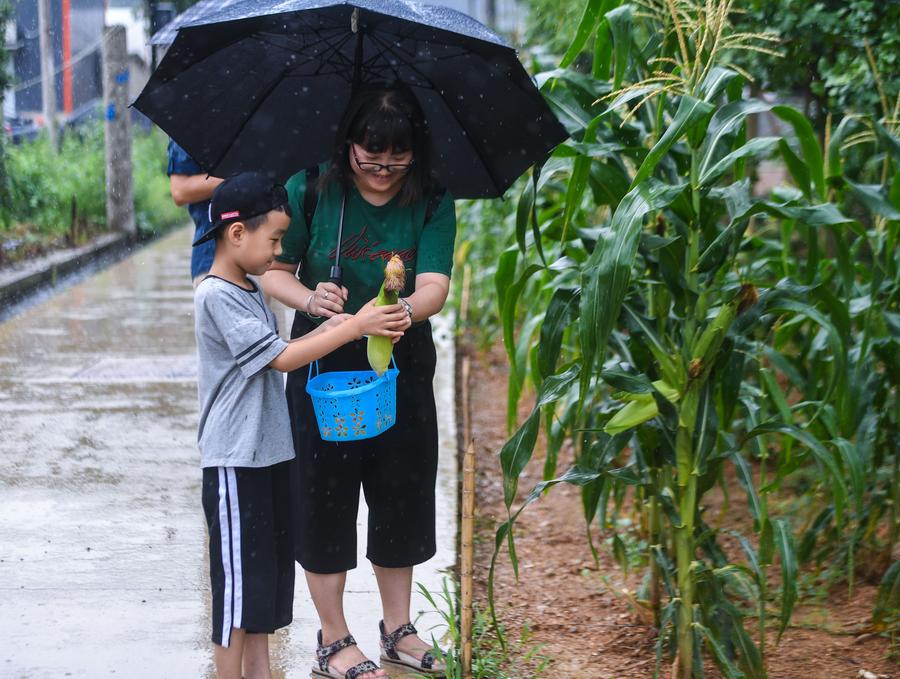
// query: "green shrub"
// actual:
[[62, 194], [154, 208]]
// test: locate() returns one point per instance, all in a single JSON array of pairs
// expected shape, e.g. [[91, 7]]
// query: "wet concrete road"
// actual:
[[102, 537]]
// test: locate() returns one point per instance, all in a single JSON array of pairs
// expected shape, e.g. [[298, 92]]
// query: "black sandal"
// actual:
[[391, 655], [323, 653]]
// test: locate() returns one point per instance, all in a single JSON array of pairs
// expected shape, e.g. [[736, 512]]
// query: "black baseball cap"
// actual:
[[240, 197]]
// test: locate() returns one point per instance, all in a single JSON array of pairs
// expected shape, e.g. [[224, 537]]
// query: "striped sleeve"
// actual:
[[250, 340]]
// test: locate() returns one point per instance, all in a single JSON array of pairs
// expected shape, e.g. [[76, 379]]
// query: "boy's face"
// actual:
[[260, 247]]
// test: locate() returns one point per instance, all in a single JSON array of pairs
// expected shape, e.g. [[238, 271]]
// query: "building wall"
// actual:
[[86, 31], [510, 16]]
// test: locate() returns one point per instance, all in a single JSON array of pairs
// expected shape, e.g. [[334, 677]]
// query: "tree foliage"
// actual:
[[830, 47]]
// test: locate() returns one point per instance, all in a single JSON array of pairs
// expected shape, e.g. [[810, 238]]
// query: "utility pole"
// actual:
[[491, 14], [117, 129], [48, 70]]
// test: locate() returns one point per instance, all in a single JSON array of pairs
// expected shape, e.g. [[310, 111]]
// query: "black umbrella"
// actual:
[[262, 85]]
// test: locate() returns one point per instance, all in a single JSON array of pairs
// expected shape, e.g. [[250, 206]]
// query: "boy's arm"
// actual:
[[315, 345]]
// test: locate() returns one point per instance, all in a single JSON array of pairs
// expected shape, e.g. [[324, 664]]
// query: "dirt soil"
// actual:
[[578, 615]]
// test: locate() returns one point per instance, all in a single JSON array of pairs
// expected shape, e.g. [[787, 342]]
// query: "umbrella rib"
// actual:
[[332, 49], [472, 141], [275, 82]]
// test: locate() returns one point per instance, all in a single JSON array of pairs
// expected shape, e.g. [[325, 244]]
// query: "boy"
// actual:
[[245, 433]]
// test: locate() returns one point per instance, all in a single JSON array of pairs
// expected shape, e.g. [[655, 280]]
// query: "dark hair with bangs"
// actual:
[[384, 116]]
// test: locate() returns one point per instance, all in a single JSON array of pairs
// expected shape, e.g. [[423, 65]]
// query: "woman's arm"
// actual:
[[281, 283], [192, 188], [430, 295]]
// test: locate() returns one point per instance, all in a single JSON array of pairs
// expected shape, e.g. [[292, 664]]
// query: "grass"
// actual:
[[57, 198], [489, 659]]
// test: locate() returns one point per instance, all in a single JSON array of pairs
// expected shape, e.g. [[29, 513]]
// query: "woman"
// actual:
[[381, 168]]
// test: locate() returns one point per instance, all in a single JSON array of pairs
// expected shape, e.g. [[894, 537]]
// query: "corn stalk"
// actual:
[[671, 335]]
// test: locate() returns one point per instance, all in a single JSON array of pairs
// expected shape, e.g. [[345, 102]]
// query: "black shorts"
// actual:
[[397, 469], [251, 557]]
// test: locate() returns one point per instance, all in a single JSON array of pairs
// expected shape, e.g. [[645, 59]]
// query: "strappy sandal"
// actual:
[[323, 653], [391, 655]]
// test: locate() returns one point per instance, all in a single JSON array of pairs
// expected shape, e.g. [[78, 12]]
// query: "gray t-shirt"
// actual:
[[244, 419]]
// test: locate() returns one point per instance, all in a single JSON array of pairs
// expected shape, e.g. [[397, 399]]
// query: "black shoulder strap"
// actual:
[[311, 196], [433, 201]]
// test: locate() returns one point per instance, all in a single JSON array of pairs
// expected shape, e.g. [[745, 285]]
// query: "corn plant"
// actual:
[[675, 326]]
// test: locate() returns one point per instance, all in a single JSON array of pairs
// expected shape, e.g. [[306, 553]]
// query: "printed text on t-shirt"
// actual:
[[359, 246]]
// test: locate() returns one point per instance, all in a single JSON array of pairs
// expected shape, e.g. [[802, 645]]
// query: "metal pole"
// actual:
[[117, 129], [336, 276], [48, 69]]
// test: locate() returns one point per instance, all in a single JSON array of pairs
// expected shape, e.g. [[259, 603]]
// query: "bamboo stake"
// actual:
[[467, 522], [467, 556]]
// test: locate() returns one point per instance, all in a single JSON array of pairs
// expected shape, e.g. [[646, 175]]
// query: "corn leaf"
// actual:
[[759, 146], [887, 601], [560, 312], [593, 10], [690, 113], [838, 486], [608, 271], [809, 144], [516, 453], [723, 661], [619, 21], [784, 543]]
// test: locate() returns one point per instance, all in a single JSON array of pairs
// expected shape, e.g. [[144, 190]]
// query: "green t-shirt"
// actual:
[[371, 235]]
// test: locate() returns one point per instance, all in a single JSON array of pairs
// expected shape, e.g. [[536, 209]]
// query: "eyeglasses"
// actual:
[[372, 168]]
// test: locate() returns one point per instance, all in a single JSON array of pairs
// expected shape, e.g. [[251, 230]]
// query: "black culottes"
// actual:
[[397, 469]]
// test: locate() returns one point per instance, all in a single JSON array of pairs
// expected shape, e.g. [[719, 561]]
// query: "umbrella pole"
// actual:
[[336, 276], [357, 55]]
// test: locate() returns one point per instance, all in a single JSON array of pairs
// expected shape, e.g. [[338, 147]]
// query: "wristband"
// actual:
[[407, 306]]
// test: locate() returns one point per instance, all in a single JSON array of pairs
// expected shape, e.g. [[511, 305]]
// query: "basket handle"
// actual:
[[310, 376]]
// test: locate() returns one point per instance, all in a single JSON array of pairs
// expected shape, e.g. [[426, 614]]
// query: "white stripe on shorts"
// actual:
[[225, 539], [236, 548]]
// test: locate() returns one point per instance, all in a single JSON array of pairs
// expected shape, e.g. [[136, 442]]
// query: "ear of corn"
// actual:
[[380, 349]]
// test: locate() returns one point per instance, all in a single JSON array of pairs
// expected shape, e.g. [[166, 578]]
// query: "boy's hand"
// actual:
[[387, 321]]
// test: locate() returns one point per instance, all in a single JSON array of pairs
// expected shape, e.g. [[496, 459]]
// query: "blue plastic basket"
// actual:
[[353, 405]]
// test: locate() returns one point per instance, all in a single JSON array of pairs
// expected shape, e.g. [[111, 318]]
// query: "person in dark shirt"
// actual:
[[192, 187]]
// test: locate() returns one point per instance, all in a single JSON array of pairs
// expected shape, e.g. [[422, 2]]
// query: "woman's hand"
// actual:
[[327, 300]]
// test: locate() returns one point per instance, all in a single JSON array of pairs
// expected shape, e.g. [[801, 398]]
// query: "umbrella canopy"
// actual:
[[193, 14], [262, 86]]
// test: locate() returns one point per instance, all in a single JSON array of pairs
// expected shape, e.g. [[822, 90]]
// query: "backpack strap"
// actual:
[[311, 196], [433, 201]]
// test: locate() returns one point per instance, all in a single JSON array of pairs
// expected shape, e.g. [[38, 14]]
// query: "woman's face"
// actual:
[[379, 180]]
